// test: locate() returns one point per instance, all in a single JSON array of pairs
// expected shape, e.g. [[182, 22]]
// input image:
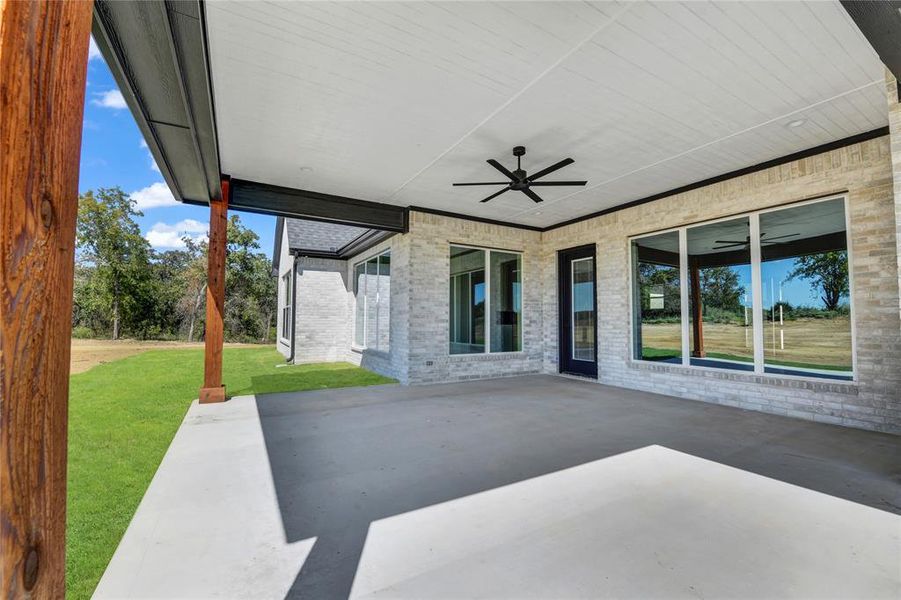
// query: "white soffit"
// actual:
[[392, 102]]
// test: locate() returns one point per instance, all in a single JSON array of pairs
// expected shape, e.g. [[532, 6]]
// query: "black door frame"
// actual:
[[565, 364]]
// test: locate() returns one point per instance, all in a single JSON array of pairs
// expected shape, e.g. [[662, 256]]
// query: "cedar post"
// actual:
[[697, 309], [43, 65], [213, 390]]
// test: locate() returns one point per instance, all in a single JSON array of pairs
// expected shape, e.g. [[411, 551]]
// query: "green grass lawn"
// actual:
[[122, 416]]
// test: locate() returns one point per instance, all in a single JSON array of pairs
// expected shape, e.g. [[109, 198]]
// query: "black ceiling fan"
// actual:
[[747, 242], [522, 181]]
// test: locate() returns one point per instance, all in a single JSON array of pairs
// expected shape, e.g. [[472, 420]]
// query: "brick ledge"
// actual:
[[849, 388]]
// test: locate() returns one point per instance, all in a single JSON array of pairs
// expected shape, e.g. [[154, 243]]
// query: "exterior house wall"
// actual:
[[285, 264], [430, 238], [420, 269], [894, 122], [863, 172], [321, 310], [394, 362]]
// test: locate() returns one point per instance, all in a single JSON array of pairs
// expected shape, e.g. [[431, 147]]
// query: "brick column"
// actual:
[[894, 122]]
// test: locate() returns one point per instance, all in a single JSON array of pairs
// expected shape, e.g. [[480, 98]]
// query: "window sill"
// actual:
[[786, 381], [486, 356], [362, 349]]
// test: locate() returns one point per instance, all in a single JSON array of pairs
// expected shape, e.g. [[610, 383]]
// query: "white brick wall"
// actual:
[[430, 239], [420, 306], [862, 171], [321, 307], [394, 362]]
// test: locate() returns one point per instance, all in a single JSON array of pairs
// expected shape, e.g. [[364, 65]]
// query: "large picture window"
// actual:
[[658, 298], [485, 301], [372, 314], [768, 292]]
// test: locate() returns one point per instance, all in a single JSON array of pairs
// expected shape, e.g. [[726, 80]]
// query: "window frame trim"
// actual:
[[288, 307], [572, 308], [487, 265], [753, 217], [353, 268]]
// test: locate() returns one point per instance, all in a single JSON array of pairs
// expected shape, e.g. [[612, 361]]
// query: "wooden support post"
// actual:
[[697, 310], [213, 390], [43, 65]]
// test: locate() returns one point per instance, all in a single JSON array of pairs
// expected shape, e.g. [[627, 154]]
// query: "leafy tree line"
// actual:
[[124, 288], [722, 290]]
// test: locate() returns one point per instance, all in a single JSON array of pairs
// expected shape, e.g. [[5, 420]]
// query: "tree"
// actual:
[[721, 288], [193, 277], [123, 286], [827, 273], [249, 286], [110, 244]]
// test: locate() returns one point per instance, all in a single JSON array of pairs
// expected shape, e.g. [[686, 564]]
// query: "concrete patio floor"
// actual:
[[534, 486]]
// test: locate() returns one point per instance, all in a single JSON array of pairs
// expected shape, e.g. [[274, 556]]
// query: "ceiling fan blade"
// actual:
[[535, 197], [779, 237], [558, 183], [551, 169], [486, 183], [727, 246], [730, 241], [502, 169], [495, 195]]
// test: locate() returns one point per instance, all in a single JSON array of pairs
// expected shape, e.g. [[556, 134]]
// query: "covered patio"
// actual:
[[536, 486], [366, 115]]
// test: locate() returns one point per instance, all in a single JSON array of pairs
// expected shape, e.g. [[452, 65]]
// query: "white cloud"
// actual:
[[153, 164], [93, 50], [153, 196], [165, 236], [110, 99]]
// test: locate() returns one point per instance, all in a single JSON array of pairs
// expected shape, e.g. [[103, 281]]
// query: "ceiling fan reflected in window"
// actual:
[[747, 242], [521, 181]]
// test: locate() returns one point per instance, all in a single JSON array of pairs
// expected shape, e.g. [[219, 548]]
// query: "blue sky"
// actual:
[[113, 154]]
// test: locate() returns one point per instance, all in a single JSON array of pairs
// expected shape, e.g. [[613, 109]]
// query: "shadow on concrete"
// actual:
[[342, 459]]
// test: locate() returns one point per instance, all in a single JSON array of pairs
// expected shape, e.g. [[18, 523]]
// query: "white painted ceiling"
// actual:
[[392, 102]]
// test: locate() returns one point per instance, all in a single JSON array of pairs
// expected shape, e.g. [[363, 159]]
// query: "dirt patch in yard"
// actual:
[[90, 353]]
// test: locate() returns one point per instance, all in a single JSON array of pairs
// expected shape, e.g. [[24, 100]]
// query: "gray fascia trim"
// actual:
[[277, 245], [103, 32], [880, 23], [364, 243], [177, 31], [357, 246]]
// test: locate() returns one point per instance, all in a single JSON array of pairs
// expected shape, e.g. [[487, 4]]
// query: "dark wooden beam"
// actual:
[[213, 390], [43, 64], [880, 23], [269, 199]]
